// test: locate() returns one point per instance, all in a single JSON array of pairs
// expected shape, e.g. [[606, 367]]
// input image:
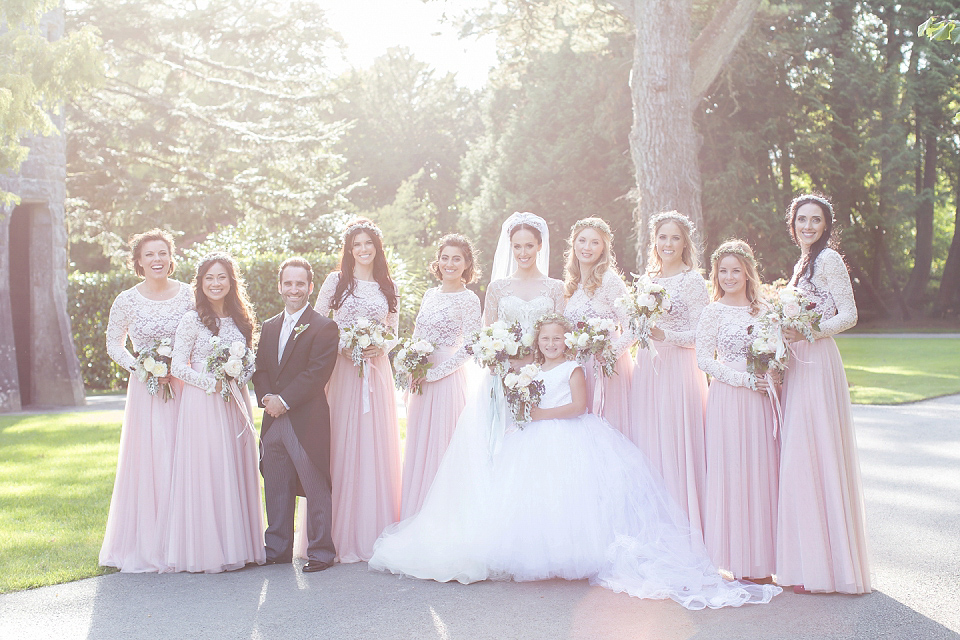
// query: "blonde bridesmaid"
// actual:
[[364, 433], [740, 512], [821, 539]]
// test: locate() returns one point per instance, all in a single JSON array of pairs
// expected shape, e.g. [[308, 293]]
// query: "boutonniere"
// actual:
[[297, 330]]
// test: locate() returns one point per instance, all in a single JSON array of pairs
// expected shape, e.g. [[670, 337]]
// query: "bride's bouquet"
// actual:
[[153, 363], [523, 390], [493, 346], [362, 334], [645, 302], [768, 350], [594, 337], [796, 312], [229, 362], [411, 363]]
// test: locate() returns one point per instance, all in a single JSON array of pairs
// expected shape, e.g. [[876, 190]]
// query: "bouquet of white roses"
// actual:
[[411, 363], [644, 302], [229, 362], [493, 346], [154, 363], [362, 334], [768, 351], [594, 337], [796, 312], [523, 390]]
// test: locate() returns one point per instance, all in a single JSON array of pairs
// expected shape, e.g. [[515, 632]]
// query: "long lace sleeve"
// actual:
[[188, 331], [556, 294], [325, 297], [470, 322], [837, 283], [491, 302], [393, 321], [614, 287], [119, 320], [707, 342], [694, 296]]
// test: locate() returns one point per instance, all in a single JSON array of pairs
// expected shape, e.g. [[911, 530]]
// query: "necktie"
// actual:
[[285, 332]]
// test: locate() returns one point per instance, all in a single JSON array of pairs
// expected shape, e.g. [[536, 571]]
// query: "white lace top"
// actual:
[[144, 320], [688, 297], [192, 347], [445, 319], [366, 301], [722, 340], [556, 385], [502, 304], [831, 290], [581, 306]]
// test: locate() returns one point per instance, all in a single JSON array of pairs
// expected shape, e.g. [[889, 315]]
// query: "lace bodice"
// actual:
[[722, 341], [192, 348], [688, 297], [367, 301], [831, 290], [502, 304], [556, 385], [581, 306], [445, 319], [144, 320]]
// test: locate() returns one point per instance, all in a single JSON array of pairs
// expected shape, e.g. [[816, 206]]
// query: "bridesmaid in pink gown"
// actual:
[[669, 392], [148, 312], [447, 315], [821, 539], [364, 433], [740, 501], [214, 521], [591, 285]]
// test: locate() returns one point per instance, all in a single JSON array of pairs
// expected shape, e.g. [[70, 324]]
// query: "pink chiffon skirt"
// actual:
[[364, 456], [668, 399], [431, 421], [133, 542], [609, 397], [215, 517], [740, 501], [821, 538]]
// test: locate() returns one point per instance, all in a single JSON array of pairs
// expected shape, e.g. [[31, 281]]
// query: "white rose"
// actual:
[[364, 342], [159, 370], [666, 305], [523, 379], [497, 345], [570, 340], [583, 339], [511, 380], [401, 355], [598, 338], [527, 340], [760, 345], [531, 370], [165, 350], [791, 309], [646, 300], [148, 363], [233, 367], [500, 333], [512, 348], [424, 347], [237, 349], [142, 373], [362, 323]]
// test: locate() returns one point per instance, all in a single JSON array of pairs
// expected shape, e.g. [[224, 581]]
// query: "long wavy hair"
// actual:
[[236, 304], [137, 241], [381, 270], [593, 278], [744, 254], [550, 318], [690, 255], [807, 262]]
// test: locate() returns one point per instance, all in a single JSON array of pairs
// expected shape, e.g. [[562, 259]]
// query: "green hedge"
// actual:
[[92, 294]]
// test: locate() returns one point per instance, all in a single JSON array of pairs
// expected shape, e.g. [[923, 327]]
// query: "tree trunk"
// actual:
[[843, 125], [948, 297], [923, 252]]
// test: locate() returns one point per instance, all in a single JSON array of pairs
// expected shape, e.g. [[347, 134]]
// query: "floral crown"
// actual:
[[815, 198], [673, 216], [553, 318], [595, 223], [362, 226], [726, 249], [525, 217]]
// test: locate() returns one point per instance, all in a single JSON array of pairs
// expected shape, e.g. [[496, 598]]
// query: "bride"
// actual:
[[461, 532]]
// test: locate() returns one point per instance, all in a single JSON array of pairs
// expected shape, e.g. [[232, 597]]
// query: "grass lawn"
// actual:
[[898, 370]]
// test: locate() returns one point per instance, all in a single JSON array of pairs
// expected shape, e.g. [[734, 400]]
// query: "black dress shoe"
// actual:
[[310, 567]]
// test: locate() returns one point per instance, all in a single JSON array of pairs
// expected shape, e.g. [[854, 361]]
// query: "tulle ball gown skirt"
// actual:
[[215, 520], [821, 539], [740, 518], [668, 400], [133, 540], [609, 397], [364, 456], [431, 420]]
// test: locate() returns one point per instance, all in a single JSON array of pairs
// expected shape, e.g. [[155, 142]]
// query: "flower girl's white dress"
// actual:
[[569, 498]]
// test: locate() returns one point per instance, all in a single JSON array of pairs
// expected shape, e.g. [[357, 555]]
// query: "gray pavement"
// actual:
[[910, 457]]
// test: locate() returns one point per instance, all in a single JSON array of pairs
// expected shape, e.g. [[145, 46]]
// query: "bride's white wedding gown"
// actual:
[[568, 498]]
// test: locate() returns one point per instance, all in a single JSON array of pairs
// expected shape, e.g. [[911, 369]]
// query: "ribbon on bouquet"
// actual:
[[599, 389], [774, 404], [498, 407], [365, 390], [646, 340], [238, 399]]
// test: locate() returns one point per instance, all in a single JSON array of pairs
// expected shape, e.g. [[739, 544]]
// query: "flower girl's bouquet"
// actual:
[[154, 363], [228, 363], [362, 334], [493, 346], [644, 303], [523, 390], [594, 337], [796, 312], [411, 363]]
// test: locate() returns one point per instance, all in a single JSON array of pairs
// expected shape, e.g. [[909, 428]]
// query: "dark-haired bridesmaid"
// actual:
[[148, 313], [215, 518], [364, 433], [821, 538]]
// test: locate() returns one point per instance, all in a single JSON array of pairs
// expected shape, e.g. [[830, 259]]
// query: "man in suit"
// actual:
[[297, 351]]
